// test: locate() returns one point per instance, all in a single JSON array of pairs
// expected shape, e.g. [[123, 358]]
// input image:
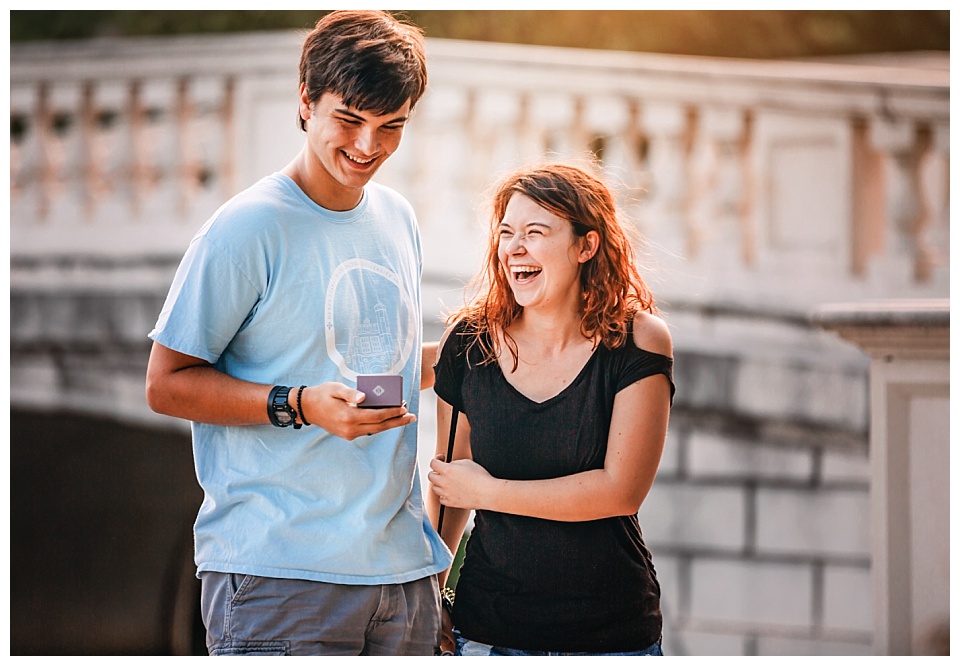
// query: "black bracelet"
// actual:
[[303, 418], [447, 597]]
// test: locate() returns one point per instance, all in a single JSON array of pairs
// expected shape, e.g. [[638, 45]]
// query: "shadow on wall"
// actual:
[[101, 538]]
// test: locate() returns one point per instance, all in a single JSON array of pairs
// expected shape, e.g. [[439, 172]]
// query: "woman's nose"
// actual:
[[516, 244]]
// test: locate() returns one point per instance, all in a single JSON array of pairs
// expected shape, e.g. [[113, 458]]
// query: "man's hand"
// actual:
[[333, 407]]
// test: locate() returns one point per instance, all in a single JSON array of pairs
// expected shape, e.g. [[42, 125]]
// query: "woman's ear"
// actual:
[[589, 246]]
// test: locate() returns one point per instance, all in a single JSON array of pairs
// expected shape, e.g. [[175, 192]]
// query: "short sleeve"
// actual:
[[208, 302], [449, 369], [640, 364]]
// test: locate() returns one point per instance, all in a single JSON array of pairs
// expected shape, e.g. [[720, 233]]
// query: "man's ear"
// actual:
[[590, 245], [305, 106]]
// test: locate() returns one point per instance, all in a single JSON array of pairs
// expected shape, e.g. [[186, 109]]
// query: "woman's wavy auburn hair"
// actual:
[[611, 288]]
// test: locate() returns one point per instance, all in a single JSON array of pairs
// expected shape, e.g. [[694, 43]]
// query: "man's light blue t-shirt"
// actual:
[[275, 289]]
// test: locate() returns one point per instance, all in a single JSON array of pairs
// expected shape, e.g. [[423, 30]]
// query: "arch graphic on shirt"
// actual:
[[374, 344]]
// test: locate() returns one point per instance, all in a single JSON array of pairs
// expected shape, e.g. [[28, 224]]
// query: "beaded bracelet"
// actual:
[[300, 407]]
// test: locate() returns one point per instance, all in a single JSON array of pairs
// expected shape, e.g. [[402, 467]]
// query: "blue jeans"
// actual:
[[251, 615], [468, 648]]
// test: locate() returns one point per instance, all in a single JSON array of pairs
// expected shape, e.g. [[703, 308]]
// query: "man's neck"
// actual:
[[325, 192]]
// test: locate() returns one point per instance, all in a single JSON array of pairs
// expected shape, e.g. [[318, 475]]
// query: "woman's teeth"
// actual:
[[522, 273]]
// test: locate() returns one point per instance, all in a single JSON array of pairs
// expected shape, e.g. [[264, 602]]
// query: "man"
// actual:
[[311, 539]]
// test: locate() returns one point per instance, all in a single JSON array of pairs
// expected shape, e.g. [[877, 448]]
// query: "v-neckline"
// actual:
[[557, 395]]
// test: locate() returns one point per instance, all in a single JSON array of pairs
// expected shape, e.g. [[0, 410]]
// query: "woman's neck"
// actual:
[[546, 331]]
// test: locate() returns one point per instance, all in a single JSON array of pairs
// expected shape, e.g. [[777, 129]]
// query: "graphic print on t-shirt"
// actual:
[[369, 320]]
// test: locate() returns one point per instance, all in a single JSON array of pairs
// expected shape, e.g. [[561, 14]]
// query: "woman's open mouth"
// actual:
[[524, 274]]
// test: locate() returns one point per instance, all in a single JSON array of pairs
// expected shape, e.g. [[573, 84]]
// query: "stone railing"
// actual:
[[770, 185]]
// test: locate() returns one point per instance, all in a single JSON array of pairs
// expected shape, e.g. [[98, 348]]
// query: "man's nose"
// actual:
[[366, 141]]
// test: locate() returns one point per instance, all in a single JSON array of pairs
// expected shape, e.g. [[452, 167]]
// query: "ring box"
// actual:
[[381, 390]]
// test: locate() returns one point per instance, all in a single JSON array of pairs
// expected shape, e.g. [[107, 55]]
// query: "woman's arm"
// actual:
[[454, 518], [638, 429]]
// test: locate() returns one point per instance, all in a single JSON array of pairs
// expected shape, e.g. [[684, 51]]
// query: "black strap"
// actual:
[[449, 458]]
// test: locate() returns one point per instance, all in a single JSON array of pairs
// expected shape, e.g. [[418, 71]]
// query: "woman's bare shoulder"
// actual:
[[651, 333]]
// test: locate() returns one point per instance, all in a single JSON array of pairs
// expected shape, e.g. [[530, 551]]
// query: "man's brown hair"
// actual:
[[371, 59]]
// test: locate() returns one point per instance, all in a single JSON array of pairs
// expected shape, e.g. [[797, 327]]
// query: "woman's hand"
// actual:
[[448, 644], [462, 484]]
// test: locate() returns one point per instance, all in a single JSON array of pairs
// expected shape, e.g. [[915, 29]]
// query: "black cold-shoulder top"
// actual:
[[535, 584]]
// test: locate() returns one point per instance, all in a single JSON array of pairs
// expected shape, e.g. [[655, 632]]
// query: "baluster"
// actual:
[[157, 151], [91, 181], [935, 188], [228, 158], [530, 139], [25, 150], [65, 154], [186, 161], [698, 169], [726, 210], [115, 150], [604, 124], [46, 172], [611, 126], [868, 202], [555, 114], [139, 173], [907, 144], [206, 103], [669, 130]]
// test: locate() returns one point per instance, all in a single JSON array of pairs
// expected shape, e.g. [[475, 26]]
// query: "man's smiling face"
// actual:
[[347, 144]]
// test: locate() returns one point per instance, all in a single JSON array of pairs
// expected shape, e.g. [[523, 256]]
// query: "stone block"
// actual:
[[821, 521], [704, 378], [754, 592], [847, 598], [37, 381], [675, 514], [797, 390], [846, 466], [699, 643], [811, 647], [711, 455], [670, 460]]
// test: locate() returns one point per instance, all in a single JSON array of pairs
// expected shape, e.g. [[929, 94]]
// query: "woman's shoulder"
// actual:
[[652, 334]]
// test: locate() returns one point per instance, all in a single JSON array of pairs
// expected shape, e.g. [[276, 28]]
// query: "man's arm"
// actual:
[[190, 388]]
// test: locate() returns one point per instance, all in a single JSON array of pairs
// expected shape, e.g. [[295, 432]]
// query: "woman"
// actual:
[[562, 371]]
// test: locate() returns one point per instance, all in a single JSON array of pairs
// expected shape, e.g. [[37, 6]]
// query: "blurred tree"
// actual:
[[731, 33]]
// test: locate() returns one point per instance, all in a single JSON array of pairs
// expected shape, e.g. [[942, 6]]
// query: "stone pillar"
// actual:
[[909, 346]]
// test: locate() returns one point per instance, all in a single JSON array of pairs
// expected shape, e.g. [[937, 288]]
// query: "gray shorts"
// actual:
[[251, 615]]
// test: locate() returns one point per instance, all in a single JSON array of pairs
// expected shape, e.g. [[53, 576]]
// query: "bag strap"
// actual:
[[449, 458]]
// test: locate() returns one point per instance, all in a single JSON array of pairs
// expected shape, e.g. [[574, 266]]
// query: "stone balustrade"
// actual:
[[747, 179]]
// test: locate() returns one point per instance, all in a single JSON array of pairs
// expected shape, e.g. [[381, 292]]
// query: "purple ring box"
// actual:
[[381, 390]]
